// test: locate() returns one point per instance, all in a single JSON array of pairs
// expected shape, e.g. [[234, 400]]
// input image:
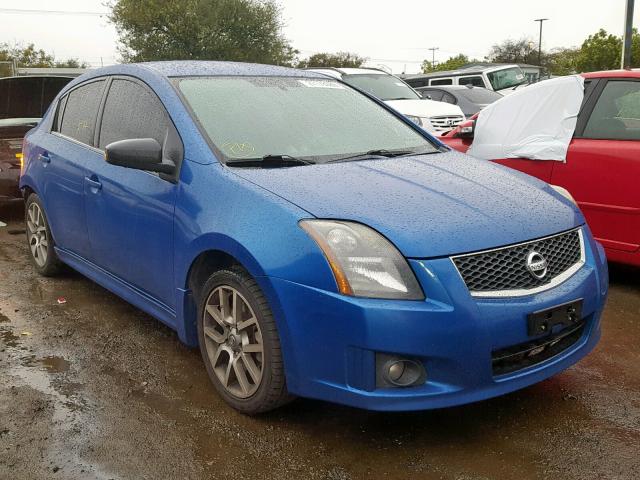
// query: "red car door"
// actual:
[[602, 170], [541, 169]]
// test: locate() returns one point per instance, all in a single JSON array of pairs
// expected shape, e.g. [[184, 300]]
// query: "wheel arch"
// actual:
[[209, 254]]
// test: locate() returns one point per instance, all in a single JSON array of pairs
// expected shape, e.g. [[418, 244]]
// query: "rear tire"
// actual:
[[239, 343], [41, 245]]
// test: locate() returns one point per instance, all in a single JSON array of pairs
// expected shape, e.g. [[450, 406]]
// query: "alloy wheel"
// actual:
[[37, 233], [233, 341]]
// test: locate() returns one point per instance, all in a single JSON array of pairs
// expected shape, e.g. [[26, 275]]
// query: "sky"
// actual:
[[395, 34]]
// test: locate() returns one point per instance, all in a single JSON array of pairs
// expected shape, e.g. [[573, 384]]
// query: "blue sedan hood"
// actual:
[[429, 205]]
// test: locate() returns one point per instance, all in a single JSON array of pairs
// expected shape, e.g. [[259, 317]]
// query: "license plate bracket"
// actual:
[[543, 321]]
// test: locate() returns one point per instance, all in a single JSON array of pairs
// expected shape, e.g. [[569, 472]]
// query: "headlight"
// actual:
[[416, 120], [364, 263], [565, 193]]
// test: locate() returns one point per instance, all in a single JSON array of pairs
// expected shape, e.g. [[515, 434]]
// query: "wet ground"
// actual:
[[95, 389]]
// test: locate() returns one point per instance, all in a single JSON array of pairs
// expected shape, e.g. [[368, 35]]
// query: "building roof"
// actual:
[[51, 72]]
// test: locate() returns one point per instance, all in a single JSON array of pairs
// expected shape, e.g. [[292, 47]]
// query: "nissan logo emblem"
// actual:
[[537, 265]]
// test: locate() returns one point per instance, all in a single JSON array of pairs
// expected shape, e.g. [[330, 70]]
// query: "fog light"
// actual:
[[398, 372], [395, 371]]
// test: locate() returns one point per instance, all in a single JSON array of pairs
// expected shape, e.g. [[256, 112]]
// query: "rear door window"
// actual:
[[476, 81], [616, 114], [447, 97], [80, 112], [434, 94], [442, 81], [132, 111]]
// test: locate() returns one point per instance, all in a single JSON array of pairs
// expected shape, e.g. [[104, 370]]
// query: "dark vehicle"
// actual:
[[23, 101], [469, 98]]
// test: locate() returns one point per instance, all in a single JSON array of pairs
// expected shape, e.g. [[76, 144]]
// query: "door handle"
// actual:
[[93, 183], [44, 157]]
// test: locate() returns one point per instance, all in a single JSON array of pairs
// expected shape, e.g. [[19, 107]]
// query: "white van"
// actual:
[[435, 117], [501, 78]]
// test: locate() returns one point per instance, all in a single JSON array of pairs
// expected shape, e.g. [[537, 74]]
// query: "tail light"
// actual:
[[20, 156]]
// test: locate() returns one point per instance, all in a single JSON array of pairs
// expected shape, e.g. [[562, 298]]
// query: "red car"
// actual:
[[602, 167]]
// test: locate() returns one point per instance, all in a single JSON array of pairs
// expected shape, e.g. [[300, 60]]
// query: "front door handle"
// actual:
[[44, 157], [93, 183]]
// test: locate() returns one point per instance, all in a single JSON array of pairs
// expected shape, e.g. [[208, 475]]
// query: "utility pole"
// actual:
[[541, 20], [628, 34], [433, 56]]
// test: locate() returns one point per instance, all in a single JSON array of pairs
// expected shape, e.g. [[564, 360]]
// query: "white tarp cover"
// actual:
[[536, 122]]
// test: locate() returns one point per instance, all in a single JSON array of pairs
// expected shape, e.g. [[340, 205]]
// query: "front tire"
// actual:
[[239, 343], [41, 244]]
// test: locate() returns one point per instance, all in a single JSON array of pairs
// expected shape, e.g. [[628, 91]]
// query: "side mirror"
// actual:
[[467, 130], [138, 153]]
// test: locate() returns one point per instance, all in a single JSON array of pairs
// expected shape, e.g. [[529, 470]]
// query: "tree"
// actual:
[[241, 30], [30, 56], [337, 60], [453, 63], [514, 51], [562, 61], [72, 63], [600, 51]]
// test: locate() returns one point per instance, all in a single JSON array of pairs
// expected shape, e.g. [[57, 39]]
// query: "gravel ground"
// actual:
[[96, 389]]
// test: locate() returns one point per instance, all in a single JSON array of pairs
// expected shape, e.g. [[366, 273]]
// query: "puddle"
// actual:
[[46, 375], [51, 364], [54, 364]]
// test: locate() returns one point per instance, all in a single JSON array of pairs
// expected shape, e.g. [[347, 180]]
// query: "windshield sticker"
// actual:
[[239, 150], [321, 84]]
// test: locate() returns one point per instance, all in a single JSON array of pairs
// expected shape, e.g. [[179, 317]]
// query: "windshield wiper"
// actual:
[[373, 153], [271, 161]]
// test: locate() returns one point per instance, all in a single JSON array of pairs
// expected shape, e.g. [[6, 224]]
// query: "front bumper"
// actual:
[[330, 341]]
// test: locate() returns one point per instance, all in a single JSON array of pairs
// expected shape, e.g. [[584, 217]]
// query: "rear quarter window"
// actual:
[[442, 81]]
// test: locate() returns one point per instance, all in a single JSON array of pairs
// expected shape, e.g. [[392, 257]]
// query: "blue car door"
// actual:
[[130, 212], [66, 150]]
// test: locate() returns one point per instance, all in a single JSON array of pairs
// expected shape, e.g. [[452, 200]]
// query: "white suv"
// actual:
[[435, 117]]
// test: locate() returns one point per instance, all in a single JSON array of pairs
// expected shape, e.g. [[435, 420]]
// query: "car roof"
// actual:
[[187, 68], [195, 68], [633, 73], [448, 87], [470, 70], [347, 71]]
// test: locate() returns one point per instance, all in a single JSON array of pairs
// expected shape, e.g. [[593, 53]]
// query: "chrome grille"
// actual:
[[445, 123], [504, 272]]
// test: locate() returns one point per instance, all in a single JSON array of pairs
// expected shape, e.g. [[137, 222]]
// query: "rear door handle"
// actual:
[[93, 183], [44, 157]]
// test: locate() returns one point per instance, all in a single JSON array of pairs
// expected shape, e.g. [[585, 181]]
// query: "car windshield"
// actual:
[[383, 86], [480, 96], [304, 118], [507, 78]]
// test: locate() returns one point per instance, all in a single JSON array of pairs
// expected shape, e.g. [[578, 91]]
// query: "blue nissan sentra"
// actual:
[[309, 239]]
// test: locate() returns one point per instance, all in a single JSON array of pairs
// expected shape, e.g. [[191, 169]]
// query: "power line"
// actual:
[[21, 11]]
